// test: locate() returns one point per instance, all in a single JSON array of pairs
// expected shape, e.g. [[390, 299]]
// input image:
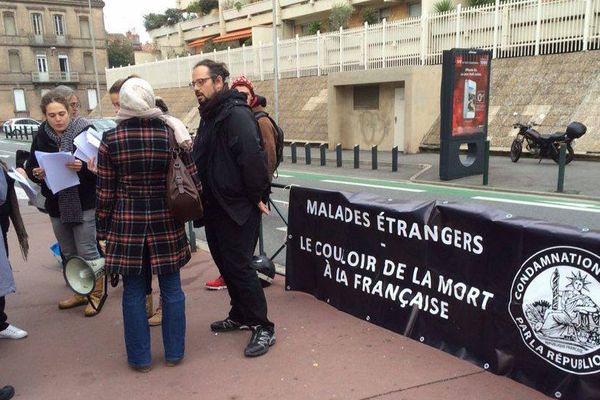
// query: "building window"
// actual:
[[20, 104], [10, 28], [37, 24], [414, 10], [366, 97], [92, 99], [84, 27], [42, 63], [14, 61], [88, 62], [59, 26]]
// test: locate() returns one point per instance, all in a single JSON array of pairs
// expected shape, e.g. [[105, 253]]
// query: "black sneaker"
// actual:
[[262, 338], [7, 392], [227, 325]]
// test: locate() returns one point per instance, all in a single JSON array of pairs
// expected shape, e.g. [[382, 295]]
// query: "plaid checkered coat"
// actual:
[[131, 209]]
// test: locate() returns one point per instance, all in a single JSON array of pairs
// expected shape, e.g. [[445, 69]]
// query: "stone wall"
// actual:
[[563, 87], [302, 106]]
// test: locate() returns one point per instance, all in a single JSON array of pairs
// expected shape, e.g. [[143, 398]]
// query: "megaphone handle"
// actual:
[[102, 299]]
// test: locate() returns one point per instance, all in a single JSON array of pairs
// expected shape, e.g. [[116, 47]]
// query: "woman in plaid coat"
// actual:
[[142, 237]]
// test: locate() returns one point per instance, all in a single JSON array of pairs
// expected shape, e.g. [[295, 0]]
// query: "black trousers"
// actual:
[[232, 247], [3, 317]]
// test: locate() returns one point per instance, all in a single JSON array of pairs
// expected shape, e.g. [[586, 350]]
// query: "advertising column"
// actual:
[[464, 111]]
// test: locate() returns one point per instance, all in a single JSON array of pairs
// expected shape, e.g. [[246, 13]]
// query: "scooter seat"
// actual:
[[554, 137]]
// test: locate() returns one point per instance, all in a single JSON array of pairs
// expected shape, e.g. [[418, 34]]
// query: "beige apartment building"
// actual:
[[45, 43], [235, 22]]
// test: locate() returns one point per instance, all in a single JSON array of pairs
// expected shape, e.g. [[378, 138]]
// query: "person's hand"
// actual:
[[91, 164], [263, 208], [22, 172], [74, 165], [102, 244], [39, 173]]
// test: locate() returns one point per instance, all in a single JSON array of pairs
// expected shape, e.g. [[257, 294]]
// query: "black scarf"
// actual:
[[69, 202]]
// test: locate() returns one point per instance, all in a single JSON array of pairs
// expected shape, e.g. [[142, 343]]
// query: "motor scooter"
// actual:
[[541, 145]]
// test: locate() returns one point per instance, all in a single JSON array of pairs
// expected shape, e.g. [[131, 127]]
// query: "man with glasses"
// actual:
[[72, 99], [232, 168]]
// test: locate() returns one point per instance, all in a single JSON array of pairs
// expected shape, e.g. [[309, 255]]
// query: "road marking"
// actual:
[[538, 204], [280, 202], [4, 156], [284, 176], [372, 186], [282, 228]]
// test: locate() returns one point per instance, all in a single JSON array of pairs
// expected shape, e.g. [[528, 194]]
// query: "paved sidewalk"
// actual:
[[321, 353]]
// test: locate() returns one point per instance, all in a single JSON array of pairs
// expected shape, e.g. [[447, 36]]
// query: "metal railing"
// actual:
[[511, 28], [55, 77]]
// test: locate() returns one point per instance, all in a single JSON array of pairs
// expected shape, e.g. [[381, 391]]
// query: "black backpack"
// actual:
[[279, 139]]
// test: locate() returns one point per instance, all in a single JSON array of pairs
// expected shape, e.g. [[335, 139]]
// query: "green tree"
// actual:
[[313, 27], [173, 16], [340, 15], [203, 7], [120, 52], [369, 15], [443, 6], [154, 21]]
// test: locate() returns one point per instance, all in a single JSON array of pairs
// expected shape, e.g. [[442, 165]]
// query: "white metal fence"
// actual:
[[511, 28]]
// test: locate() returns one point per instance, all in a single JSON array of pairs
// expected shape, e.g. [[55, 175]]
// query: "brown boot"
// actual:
[[156, 319], [95, 296], [73, 301], [149, 306]]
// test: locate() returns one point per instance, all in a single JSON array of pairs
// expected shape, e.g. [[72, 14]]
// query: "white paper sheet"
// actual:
[[94, 137], [85, 150], [21, 180], [58, 176]]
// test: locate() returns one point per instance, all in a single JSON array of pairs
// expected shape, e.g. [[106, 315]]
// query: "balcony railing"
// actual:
[[63, 41], [53, 77]]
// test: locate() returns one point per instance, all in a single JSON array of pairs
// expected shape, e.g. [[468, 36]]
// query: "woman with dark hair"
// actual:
[[142, 236], [72, 210]]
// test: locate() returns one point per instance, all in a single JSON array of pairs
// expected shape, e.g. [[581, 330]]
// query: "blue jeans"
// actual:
[[135, 321]]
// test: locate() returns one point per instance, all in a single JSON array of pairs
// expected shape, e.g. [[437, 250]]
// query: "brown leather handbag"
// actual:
[[183, 198]]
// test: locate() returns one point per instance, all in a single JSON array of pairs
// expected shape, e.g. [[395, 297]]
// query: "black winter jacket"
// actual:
[[87, 180], [229, 158]]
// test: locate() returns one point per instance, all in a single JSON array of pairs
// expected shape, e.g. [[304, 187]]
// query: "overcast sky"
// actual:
[[121, 16]]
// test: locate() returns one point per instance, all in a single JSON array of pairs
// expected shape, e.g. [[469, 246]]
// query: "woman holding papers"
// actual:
[[142, 236], [72, 209]]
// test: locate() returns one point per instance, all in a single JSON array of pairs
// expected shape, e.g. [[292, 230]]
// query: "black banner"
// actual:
[[518, 297]]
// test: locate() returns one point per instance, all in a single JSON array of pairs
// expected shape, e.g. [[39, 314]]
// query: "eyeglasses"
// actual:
[[75, 105], [199, 82]]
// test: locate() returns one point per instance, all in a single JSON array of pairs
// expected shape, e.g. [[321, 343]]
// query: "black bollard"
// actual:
[[192, 235], [394, 158], [486, 162], [294, 154], [323, 150], [356, 156], [562, 158], [374, 157], [338, 154], [307, 157]]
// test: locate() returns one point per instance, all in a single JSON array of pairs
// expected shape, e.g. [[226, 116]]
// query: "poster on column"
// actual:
[[470, 93], [517, 297]]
